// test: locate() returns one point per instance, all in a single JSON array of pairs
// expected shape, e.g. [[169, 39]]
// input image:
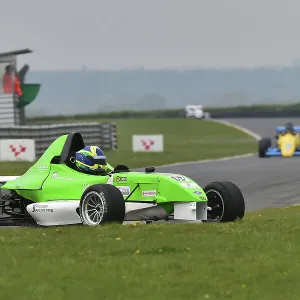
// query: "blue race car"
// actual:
[[287, 145]]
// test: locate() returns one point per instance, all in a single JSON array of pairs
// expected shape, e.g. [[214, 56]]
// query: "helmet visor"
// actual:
[[98, 160]]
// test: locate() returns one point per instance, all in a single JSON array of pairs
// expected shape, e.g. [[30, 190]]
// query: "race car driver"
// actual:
[[288, 128], [92, 160]]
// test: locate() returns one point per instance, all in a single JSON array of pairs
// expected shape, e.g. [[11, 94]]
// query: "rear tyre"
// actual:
[[225, 202], [102, 203], [263, 145]]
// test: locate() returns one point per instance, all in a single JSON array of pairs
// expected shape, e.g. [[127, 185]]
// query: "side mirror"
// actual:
[[149, 169]]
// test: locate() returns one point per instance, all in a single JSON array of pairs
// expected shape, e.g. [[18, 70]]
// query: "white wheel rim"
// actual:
[[93, 208], [221, 199]]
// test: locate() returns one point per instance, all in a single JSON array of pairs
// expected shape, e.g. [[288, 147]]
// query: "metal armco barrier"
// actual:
[[103, 135]]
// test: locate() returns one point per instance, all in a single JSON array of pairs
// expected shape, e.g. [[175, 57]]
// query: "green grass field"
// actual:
[[184, 139], [256, 258]]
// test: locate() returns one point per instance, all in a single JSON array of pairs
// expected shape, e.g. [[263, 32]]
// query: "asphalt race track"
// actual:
[[267, 182], [263, 127]]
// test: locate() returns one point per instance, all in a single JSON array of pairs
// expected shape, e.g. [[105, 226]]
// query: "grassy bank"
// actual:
[[171, 113], [256, 258], [184, 140]]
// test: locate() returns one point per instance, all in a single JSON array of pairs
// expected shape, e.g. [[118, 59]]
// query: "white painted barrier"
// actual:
[[17, 150], [148, 143]]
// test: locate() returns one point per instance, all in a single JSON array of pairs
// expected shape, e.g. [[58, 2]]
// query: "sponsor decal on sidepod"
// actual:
[[125, 190], [149, 193], [41, 208], [119, 179]]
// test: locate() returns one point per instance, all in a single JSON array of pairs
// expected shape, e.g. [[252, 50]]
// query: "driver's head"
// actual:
[[91, 159], [289, 127]]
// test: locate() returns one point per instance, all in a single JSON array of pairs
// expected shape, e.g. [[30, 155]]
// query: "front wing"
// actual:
[[275, 151]]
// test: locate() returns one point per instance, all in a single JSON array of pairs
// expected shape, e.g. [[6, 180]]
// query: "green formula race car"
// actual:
[[53, 192]]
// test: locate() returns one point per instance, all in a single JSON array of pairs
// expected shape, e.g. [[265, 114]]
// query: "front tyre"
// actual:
[[225, 202], [263, 146], [101, 203]]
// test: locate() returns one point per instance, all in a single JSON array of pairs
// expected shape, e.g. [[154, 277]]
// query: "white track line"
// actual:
[[207, 160], [243, 129]]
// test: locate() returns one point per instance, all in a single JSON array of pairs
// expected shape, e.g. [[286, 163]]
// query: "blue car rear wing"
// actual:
[[280, 129]]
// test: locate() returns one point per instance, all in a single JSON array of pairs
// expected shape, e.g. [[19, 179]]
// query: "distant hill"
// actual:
[[95, 91]]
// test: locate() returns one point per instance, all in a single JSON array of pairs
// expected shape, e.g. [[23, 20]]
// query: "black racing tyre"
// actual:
[[225, 202], [101, 203], [263, 145]]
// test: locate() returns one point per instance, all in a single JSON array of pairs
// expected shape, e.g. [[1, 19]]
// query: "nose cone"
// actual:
[[174, 187]]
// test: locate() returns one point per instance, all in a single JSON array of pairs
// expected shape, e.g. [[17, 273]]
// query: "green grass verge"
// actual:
[[184, 140], [256, 258]]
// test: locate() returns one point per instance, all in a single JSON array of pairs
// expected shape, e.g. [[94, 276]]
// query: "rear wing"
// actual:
[[280, 129]]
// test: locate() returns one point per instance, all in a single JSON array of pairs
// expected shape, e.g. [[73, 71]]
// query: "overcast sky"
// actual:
[[114, 34]]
